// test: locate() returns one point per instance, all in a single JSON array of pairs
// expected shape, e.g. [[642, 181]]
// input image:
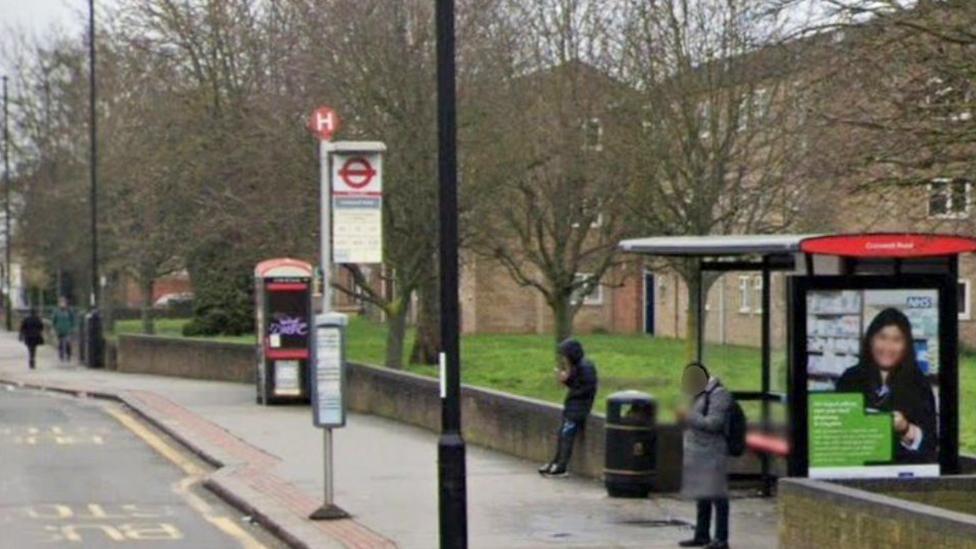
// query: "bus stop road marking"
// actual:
[[195, 475]]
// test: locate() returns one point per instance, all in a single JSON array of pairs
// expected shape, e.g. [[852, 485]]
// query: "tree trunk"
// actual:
[[146, 312], [427, 340], [396, 327], [562, 315]]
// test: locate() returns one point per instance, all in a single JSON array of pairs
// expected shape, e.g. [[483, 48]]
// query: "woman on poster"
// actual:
[[889, 378]]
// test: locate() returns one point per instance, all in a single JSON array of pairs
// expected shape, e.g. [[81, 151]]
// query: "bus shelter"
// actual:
[[845, 293], [762, 254]]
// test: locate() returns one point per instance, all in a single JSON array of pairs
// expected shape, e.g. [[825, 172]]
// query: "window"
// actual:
[[757, 286], [590, 291], [586, 211], [745, 294], [647, 128], [593, 135], [964, 296], [950, 198], [949, 99]]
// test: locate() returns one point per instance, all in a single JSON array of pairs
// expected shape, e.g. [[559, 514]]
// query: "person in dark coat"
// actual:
[[578, 374], [705, 461], [889, 378], [32, 334]]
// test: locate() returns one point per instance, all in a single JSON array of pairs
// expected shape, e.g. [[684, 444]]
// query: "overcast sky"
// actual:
[[37, 17]]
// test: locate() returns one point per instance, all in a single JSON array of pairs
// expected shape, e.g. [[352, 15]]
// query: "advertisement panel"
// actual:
[[871, 366]]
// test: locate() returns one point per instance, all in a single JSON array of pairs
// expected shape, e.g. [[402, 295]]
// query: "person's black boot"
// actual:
[[718, 545], [544, 470], [695, 542]]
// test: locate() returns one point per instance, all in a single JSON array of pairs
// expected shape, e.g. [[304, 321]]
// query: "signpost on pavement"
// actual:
[[351, 198], [357, 202]]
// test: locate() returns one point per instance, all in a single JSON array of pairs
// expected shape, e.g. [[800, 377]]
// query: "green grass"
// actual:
[[173, 327], [522, 364]]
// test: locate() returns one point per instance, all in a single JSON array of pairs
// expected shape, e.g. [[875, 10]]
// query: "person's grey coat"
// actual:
[[705, 467]]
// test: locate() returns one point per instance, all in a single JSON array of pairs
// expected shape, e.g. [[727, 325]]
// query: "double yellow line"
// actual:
[[195, 474]]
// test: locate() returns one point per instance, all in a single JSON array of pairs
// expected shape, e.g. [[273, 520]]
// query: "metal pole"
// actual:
[[94, 321], [93, 164], [325, 232], [8, 308], [767, 314], [451, 451], [700, 312], [327, 450], [329, 510]]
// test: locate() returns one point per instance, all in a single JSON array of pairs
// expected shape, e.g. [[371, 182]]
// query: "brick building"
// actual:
[[648, 298]]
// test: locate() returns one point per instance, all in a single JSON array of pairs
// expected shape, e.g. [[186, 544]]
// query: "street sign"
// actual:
[[324, 123], [357, 172], [328, 379], [357, 203]]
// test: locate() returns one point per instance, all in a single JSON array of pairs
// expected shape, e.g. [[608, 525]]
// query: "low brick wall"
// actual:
[[189, 358], [517, 426], [514, 425], [896, 513]]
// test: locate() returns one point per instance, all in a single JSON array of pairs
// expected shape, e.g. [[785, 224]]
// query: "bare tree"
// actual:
[[379, 72], [544, 167], [901, 77], [720, 144]]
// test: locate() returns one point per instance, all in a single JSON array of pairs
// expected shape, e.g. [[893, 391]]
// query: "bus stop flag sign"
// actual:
[[357, 207], [324, 123]]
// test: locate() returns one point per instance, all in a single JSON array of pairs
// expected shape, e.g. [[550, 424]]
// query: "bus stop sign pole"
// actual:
[[328, 372]]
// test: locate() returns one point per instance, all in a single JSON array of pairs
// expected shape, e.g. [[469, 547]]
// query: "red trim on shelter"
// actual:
[[889, 245], [287, 287]]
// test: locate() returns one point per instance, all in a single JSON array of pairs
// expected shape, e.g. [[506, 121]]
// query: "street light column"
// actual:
[[8, 311], [93, 162], [451, 450], [93, 332]]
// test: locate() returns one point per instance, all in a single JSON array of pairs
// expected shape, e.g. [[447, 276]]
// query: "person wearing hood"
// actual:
[[32, 335], [578, 374], [705, 463]]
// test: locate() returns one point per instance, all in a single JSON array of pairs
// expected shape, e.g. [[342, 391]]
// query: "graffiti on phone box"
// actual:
[[288, 326]]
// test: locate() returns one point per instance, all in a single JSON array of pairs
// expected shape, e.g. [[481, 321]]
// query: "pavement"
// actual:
[[71, 476], [269, 463]]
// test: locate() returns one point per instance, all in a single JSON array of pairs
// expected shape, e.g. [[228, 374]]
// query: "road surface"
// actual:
[[85, 473]]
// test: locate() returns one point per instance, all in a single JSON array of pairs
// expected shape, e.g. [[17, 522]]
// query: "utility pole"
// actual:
[[451, 460], [8, 311], [94, 320]]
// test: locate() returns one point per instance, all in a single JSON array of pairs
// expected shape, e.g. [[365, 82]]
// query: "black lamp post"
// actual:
[[93, 330], [8, 311], [451, 465]]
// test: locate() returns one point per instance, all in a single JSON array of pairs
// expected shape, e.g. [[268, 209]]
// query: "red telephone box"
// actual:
[[283, 314]]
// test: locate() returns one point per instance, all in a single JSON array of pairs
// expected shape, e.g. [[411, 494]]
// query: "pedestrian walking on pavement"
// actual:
[[578, 374], [63, 322], [706, 452], [32, 334]]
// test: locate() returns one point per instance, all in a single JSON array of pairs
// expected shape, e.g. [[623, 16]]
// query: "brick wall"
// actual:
[[816, 515], [187, 358], [492, 302]]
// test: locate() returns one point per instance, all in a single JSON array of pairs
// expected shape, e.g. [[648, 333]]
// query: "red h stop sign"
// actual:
[[324, 123]]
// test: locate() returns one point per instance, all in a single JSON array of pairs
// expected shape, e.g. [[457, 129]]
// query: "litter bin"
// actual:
[[630, 462]]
